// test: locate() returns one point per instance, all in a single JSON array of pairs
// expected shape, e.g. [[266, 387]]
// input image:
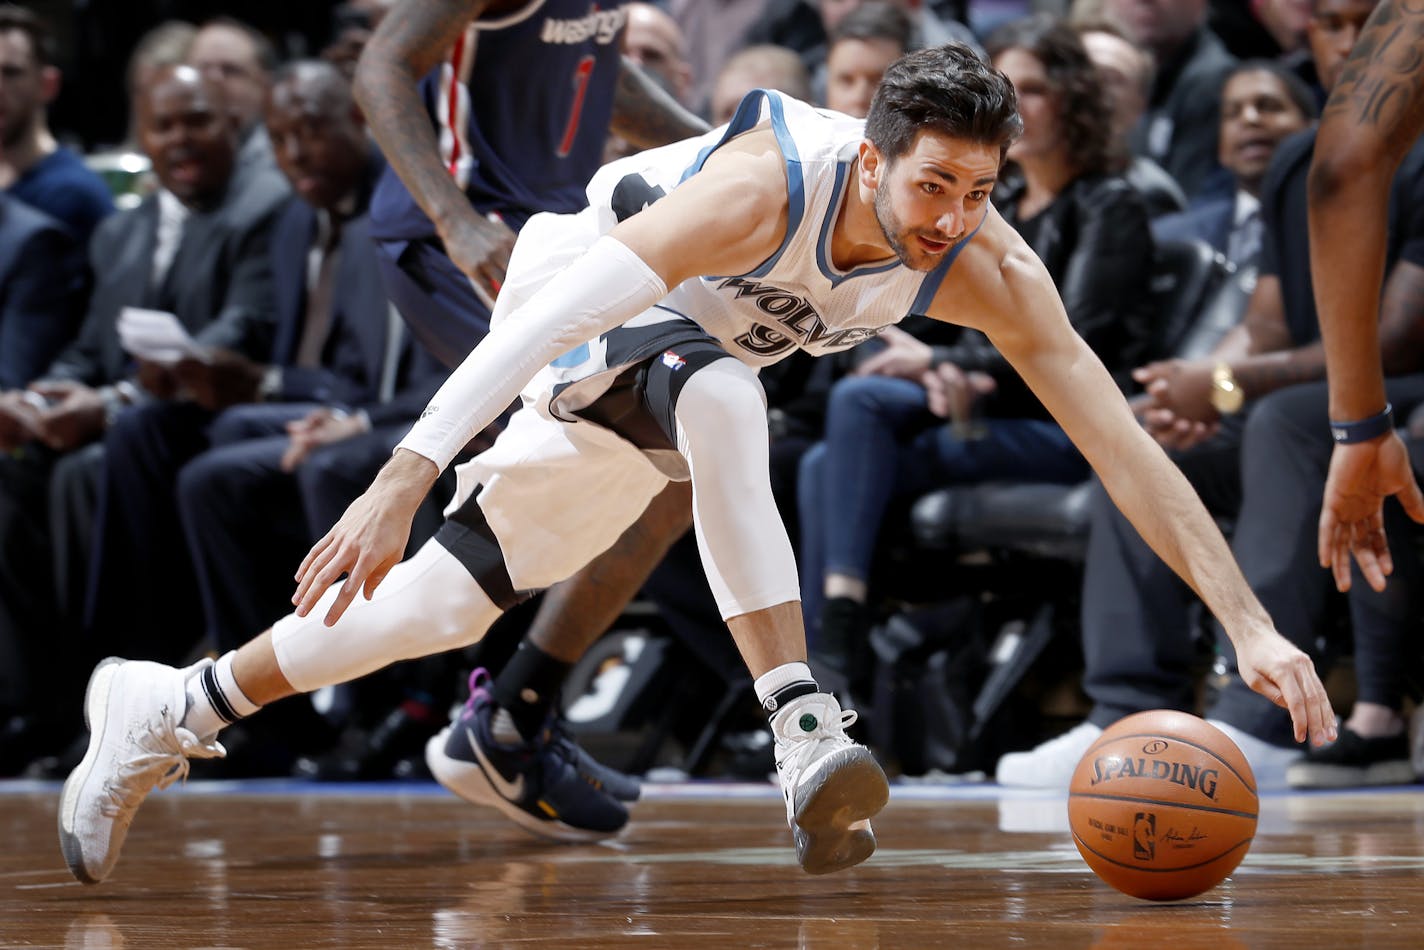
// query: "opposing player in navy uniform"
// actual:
[[632, 332], [489, 112]]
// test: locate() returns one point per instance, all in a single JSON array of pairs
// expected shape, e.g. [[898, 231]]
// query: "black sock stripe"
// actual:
[[787, 693], [214, 692]]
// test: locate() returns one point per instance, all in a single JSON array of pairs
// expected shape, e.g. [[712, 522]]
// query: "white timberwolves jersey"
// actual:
[[796, 299]]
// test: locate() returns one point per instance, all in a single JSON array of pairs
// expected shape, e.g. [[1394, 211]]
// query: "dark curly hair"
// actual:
[[948, 89], [1084, 108]]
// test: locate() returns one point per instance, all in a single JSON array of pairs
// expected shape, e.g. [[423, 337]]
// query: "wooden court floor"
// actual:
[[278, 865]]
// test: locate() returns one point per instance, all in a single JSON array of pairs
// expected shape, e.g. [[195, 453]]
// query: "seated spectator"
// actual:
[[43, 284], [1179, 129], [863, 44], [197, 249], [1136, 617], [240, 60], [34, 168], [325, 347], [1262, 104], [1127, 73], [340, 380], [885, 431], [758, 67]]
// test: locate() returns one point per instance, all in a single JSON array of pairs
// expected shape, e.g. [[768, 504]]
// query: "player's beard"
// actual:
[[899, 237]]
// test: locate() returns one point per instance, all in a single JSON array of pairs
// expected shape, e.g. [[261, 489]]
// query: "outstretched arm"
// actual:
[[1023, 316], [1375, 113]]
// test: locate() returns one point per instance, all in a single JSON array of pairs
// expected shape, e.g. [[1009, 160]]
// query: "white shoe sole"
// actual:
[[834, 809], [96, 718], [468, 781]]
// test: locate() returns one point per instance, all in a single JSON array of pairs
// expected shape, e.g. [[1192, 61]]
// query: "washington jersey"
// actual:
[[521, 108], [795, 299]]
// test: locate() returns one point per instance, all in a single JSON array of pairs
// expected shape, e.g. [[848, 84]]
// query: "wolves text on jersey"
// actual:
[[801, 324], [602, 25]]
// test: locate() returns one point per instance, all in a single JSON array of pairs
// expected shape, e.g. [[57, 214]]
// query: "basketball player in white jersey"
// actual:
[[634, 343]]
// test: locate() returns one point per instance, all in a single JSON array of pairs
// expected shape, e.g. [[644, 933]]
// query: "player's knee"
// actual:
[[724, 398]]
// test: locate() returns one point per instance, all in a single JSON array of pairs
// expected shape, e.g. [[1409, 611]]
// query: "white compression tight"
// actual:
[[721, 431], [426, 604]]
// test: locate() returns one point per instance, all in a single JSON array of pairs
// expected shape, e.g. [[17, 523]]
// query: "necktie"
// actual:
[[172, 218], [1245, 242], [321, 280]]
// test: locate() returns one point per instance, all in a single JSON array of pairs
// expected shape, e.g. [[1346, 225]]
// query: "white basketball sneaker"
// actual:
[[1050, 764], [135, 745], [833, 786]]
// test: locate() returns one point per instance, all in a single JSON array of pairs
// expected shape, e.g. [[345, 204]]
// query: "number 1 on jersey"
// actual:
[[582, 73]]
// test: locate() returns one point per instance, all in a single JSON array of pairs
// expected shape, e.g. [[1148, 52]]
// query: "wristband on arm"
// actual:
[[1363, 430]]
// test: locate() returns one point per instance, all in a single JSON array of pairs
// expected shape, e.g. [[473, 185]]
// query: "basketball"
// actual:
[[1163, 806]]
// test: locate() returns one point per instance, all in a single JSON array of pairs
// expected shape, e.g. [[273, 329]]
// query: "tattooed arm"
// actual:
[[408, 44], [645, 115], [1374, 114]]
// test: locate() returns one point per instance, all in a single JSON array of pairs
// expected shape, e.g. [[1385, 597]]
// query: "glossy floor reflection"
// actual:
[[281, 865]]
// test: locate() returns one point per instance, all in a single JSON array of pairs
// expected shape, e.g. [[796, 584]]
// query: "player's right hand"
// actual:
[[1361, 476], [1274, 667], [480, 247], [368, 540]]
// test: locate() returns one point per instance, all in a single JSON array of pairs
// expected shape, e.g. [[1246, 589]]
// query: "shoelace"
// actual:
[[802, 747], [154, 767], [479, 682]]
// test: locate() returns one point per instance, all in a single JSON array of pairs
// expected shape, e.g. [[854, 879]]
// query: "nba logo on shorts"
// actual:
[[672, 361], [1144, 836]]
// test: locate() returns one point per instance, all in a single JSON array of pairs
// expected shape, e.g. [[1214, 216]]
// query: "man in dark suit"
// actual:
[[337, 398], [1262, 104], [42, 287], [198, 249], [327, 343]]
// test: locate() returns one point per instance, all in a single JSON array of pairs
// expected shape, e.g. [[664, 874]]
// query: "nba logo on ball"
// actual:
[[1144, 836], [1163, 806]]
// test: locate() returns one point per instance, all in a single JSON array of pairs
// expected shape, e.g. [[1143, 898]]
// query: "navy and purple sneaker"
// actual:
[[539, 785]]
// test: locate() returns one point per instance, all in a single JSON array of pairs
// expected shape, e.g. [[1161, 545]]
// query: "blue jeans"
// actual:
[[882, 443]]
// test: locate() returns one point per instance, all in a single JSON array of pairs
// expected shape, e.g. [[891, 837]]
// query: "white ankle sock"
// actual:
[[215, 700], [777, 687]]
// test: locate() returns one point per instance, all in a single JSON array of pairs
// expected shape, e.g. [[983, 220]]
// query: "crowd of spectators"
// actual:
[[155, 496]]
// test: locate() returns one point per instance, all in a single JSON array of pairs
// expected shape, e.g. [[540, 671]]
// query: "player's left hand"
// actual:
[[1274, 667], [1361, 476], [369, 539]]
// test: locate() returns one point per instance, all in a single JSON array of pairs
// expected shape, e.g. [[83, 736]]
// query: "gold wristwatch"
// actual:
[[1227, 396]]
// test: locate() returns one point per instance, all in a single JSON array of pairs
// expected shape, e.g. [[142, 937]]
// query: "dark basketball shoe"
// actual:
[[539, 785]]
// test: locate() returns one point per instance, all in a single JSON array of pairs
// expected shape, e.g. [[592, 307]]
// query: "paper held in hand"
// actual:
[[157, 336]]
